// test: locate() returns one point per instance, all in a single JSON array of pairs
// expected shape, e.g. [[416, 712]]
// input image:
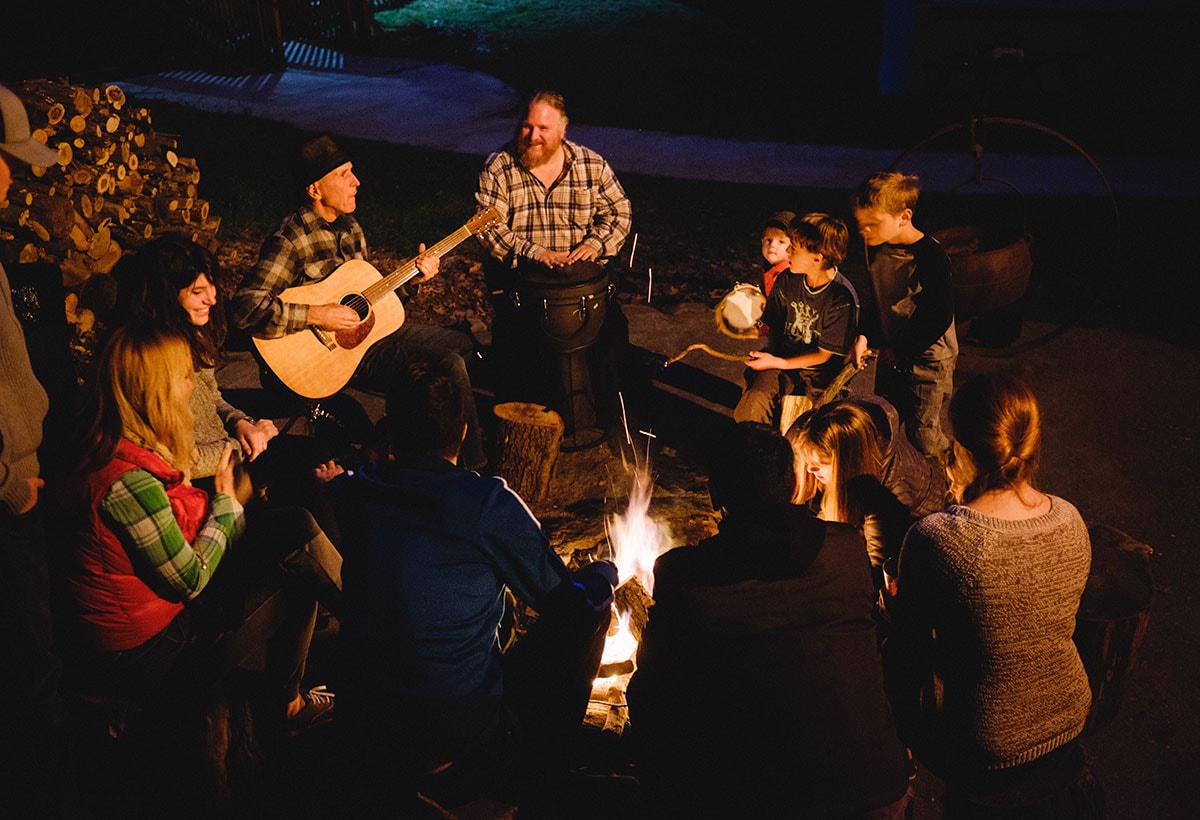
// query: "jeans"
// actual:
[[918, 392]]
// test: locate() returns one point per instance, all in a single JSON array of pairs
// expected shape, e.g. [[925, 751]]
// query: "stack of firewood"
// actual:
[[117, 184]]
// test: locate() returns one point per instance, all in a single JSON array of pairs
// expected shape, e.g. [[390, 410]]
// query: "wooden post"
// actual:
[[530, 437]]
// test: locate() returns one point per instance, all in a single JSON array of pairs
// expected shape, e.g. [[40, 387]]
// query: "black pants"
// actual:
[[33, 752]]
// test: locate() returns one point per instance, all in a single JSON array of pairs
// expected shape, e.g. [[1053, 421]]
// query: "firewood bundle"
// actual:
[[117, 184]]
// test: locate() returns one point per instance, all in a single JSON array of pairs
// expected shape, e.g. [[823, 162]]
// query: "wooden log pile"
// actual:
[[118, 183]]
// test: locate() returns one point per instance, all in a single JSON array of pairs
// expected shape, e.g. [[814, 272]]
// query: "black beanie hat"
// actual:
[[318, 157]]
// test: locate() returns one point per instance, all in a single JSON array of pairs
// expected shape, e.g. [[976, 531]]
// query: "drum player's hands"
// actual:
[[553, 259], [427, 263], [762, 360], [582, 253]]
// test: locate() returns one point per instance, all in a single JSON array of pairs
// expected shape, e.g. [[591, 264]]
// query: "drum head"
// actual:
[[544, 277], [740, 311]]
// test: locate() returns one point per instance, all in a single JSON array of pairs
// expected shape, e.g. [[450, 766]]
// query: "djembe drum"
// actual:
[[564, 309]]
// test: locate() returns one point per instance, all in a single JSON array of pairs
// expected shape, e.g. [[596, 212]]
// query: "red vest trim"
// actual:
[[118, 609]]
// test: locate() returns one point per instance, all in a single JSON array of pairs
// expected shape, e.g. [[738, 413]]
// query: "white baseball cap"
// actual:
[[17, 139]]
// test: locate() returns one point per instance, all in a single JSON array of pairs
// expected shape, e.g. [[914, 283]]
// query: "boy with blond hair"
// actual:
[[910, 275], [812, 314]]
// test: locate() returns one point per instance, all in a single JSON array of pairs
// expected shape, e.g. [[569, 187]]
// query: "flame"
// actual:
[[637, 540], [620, 645]]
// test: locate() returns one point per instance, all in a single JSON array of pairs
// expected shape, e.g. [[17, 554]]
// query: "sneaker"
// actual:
[[318, 709]]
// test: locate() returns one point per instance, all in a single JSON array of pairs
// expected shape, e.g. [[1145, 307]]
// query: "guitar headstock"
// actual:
[[484, 219]]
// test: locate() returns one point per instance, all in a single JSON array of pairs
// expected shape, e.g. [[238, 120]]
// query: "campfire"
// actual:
[[636, 541]]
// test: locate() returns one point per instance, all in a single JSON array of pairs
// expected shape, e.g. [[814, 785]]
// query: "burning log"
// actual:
[[530, 435], [633, 598]]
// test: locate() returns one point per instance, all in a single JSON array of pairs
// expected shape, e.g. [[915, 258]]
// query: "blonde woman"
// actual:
[[150, 546], [854, 463]]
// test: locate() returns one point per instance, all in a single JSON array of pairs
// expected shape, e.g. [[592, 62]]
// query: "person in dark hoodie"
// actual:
[[432, 700], [759, 688]]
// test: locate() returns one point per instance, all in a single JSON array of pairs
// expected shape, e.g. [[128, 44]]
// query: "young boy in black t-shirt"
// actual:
[[813, 316]]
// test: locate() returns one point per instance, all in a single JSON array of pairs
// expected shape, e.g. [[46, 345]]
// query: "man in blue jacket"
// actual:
[[431, 550]]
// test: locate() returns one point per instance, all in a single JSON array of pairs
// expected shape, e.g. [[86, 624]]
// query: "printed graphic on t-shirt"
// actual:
[[802, 322]]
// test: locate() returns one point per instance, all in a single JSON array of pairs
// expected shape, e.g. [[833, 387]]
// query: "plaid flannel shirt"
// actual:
[[137, 509], [585, 205], [304, 250]]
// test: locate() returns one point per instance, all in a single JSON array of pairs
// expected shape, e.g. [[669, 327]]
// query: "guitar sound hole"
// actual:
[[359, 303]]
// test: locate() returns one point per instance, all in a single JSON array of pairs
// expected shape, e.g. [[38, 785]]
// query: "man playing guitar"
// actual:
[[308, 247]]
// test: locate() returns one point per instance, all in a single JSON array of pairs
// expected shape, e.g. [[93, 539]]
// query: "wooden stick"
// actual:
[[729, 357]]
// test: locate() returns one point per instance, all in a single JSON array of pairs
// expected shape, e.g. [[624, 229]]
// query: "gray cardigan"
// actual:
[[215, 423]]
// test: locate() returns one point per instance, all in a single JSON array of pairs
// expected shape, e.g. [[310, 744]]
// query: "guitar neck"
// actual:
[[408, 270]]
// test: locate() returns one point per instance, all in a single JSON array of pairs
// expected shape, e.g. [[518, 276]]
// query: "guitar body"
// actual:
[[317, 364]]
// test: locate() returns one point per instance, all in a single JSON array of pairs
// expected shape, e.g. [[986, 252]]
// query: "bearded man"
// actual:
[[564, 217]]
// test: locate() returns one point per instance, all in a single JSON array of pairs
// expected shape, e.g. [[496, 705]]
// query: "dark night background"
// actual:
[[1119, 78]]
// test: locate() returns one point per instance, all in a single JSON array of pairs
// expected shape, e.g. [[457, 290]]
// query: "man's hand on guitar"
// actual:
[[427, 263], [332, 317]]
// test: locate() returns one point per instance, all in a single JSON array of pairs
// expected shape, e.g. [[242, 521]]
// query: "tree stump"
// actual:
[[1113, 614], [530, 437]]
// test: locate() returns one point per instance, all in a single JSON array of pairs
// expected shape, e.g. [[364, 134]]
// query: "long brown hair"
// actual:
[[997, 436], [844, 434], [135, 393]]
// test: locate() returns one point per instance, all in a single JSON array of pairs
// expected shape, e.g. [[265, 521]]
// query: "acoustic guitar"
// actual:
[[318, 363]]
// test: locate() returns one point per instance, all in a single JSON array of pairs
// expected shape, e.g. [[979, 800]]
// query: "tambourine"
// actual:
[[739, 311]]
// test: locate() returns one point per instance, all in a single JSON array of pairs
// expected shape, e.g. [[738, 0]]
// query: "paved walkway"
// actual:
[[452, 108]]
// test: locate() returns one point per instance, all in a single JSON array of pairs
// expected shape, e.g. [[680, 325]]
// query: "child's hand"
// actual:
[[860, 352], [762, 360]]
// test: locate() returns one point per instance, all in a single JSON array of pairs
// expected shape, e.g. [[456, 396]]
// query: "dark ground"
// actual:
[[1120, 387]]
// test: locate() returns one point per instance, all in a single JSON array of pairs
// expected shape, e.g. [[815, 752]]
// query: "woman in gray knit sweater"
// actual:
[[986, 598], [171, 284]]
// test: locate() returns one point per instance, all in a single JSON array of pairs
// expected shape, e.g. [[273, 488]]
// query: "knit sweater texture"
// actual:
[[1001, 597], [215, 425]]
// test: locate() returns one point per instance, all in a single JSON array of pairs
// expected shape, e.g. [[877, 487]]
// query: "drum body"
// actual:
[[567, 306], [561, 312]]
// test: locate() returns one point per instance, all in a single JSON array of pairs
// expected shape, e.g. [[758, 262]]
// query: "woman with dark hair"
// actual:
[[171, 283], [986, 598], [148, 574]]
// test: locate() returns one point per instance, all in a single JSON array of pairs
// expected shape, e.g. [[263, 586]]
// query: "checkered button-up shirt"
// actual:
[[586, 204], [137, 508], [304, 250]]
